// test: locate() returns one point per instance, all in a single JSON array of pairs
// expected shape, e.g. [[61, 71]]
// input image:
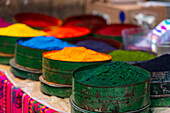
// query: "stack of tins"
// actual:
[[58, 67], [88, 21], [112, 31], [37, 21], [28, 55], [8, 37], [115, 87], [159, 69]]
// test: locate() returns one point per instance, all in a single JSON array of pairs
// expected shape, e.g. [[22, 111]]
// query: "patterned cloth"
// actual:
[[14, 100]]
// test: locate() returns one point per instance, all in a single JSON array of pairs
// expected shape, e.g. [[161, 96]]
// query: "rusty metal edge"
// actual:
[[21, 68], [53, 84], [86, 111]]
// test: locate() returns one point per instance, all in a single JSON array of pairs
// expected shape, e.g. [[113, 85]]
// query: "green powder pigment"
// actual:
[[112, 74], [130, 56]]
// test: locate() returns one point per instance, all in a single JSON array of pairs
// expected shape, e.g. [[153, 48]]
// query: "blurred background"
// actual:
[[57, 8]]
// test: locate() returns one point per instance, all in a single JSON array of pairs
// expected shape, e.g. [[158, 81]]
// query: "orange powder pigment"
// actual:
[[77, 54], [68, 32]]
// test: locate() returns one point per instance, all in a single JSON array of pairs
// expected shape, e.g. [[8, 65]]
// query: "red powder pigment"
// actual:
[[114, 29], [37, 20], [68, 32]]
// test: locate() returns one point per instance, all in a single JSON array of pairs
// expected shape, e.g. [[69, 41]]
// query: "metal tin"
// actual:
[[60, 72], [7, 48], [110, 99], [53, 89], [28, 57], [7, 44], [160, 101], [76, 109], [160, 83], [23, 72], [5, 57]]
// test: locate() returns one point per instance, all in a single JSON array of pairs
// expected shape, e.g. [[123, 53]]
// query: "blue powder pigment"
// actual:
[[96, 45], [45, 43]]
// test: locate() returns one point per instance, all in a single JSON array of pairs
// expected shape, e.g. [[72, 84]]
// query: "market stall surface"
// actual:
[[32, 88]]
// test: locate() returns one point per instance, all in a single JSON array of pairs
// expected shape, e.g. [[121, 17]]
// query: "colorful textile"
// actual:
[[14, 100], [25, 102], [9, 93], [17, 95]]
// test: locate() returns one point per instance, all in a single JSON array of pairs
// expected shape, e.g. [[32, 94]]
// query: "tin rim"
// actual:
[[22, 68], [86, 111], [53, 84], [81, 68]]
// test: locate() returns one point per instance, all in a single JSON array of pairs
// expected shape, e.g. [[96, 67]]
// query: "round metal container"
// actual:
[[7, 48], [76, 109], [53, 89], [160, 89], [110, 99], [23, 72], [60, 72], [28, 57], [160, 101], [5, 58]]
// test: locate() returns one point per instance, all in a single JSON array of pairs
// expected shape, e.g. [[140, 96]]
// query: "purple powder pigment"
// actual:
[[96, 45]]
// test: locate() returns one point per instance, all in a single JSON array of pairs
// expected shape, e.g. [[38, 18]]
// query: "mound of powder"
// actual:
[[96, 45], [158, 64], [20, 30], [3, 23], [45, 43], [130, 56], [112, 74], [68, 32], [77, 54]]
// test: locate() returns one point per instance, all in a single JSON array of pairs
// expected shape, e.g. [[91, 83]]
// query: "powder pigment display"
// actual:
[[8, 37], [113, 87], [58, 67], [28, 56], [88, 21], [45, 43], [160, 79], [112, 74], [158, 64], [68, 32], [113, 31], [130, 56], [96, 45], [20, 30], [77, 54], [3, 23], [37, 20]]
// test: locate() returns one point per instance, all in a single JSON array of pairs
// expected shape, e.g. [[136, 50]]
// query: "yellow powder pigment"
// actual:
[[20, 30], [77, 54]]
